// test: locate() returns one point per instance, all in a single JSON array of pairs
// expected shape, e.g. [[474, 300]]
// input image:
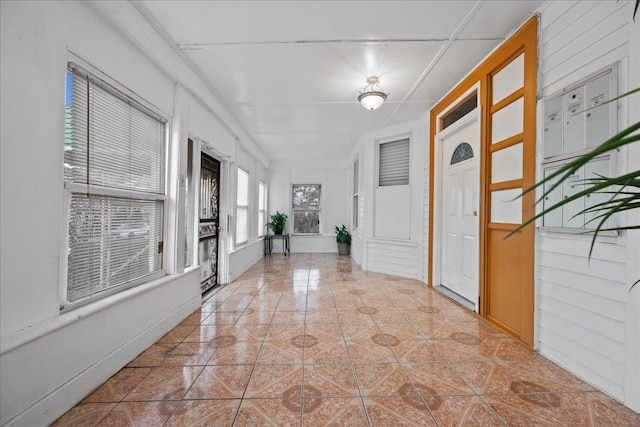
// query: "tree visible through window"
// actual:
[[306, 209]]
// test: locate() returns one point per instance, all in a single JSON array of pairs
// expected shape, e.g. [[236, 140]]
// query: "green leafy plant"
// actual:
[[277, 223], [342, 235], [623, 191]]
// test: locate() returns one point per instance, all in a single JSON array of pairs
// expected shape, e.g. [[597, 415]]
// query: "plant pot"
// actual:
[[344, 249], [278, 231]]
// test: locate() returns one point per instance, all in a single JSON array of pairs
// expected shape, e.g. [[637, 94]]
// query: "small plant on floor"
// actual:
[[277, 223], [343, 238]]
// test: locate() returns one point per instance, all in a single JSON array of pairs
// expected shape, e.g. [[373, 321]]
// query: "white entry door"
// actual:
[[460, 225]]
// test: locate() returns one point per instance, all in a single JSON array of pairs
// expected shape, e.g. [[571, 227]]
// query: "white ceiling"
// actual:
[[291, 72]]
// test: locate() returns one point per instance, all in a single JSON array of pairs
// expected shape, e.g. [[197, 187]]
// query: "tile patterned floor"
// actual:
[[311, 340]]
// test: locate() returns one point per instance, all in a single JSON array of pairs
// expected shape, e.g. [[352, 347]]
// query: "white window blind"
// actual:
[[242, 207], [262, 207], [114, 170], [394, 165]]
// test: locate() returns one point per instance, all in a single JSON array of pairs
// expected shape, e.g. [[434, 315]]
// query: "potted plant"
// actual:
[[344, 240], [277, 223]]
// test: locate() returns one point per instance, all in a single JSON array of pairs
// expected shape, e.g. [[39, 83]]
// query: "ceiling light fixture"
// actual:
[[372, 95]]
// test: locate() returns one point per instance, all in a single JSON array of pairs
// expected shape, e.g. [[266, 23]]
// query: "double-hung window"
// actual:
[[114, 181], [356, 203], [242, 208], [262, 208], [306, 209]]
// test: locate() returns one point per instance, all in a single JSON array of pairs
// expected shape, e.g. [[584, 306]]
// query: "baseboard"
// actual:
[[454, 296], [55, 404]]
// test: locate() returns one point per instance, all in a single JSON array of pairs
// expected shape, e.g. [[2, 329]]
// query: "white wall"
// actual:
[[390, 238], [48, 360], [587, 320], [333, 176]]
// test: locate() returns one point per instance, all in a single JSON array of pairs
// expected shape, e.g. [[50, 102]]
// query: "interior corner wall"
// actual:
[[587, 317]]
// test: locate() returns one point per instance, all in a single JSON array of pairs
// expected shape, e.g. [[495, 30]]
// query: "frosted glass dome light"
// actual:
[[370, 98]]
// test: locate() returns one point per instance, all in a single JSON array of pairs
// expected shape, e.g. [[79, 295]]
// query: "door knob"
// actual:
[[475, 213]]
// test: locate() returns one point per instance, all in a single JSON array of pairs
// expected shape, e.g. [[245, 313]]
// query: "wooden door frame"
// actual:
[[523, 40]]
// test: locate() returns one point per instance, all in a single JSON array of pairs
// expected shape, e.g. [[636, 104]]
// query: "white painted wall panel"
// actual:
[[583, 305], [595, 368], [507, 121], [243, 258], [506, 206], [203, 126], [394, 258], [509, 79], [506, 164], [393, 213]]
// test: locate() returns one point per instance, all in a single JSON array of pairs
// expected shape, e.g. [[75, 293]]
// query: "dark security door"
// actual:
[[209, 222]]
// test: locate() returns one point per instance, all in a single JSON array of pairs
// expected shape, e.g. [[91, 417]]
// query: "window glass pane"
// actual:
[[355, 211], [306, 196], [112, 241], [306, 208], [354, 208], [261, 208], [242, 211], [306, 222], [356, 176], [261, 195], [189, 209], [461, 153], [243, 188], [125, 145]]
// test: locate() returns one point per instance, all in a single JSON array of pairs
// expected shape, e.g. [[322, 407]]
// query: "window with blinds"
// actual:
[[356, 187], [394, 163], [114, 180], [242, 207]]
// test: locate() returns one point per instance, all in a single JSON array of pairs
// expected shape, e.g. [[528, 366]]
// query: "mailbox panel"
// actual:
[[598, 127], [553, 127], [573, 131]]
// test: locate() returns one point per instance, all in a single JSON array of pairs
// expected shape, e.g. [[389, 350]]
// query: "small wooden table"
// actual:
[[268, 243]]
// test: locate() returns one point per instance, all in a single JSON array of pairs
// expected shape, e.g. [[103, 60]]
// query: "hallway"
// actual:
[[311, 339]]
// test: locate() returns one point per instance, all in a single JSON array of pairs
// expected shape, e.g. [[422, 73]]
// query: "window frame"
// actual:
[[242, 207], [355, 217], [79, 69], [318, 210]]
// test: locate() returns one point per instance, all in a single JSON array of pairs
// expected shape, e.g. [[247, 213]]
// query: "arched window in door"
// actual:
[[461, 153]]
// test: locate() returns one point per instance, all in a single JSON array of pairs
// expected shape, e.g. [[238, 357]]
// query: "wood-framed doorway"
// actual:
[[506, 87]]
